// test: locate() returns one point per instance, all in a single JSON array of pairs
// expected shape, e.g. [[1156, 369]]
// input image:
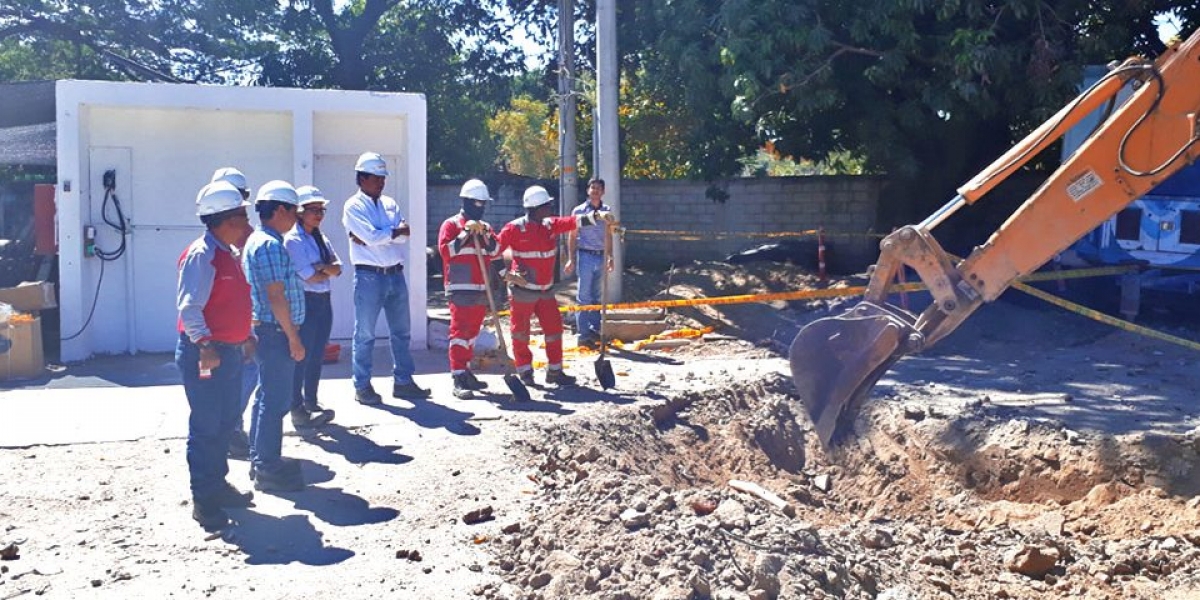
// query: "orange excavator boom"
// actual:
[[836, 361]]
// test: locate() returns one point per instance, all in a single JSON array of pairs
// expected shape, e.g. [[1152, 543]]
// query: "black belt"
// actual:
[[317, 294], [381, 270], [590, 251]]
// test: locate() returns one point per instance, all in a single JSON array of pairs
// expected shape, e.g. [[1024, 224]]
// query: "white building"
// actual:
[[163, 141]]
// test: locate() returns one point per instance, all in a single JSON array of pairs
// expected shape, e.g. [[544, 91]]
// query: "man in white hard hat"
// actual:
[[532, 239], [378, 237], [277, 304], [239, 442], [213, 298], [316, 264], [461, 239]]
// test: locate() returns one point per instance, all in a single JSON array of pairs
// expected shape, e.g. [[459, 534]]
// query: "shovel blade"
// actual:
[[604, 373], [836, 361], [519, 391]]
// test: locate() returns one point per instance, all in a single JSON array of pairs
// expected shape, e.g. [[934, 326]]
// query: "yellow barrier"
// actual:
[[692, 236], [1103, 318], [818, 294]]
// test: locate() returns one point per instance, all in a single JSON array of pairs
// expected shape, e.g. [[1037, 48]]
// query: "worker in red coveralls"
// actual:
[[458, 239], [530, 276]]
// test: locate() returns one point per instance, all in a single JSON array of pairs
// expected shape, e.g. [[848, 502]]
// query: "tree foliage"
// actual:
[[529, 140], [449, 50]]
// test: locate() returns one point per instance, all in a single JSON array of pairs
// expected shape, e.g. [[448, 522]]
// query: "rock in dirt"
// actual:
[[731, 514], [10, 552], [823, 483], [478, 515], [633, 518], [1032, 561]]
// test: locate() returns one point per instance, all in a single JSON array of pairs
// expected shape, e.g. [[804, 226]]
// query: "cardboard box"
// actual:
[[21, 348], [29, 296]]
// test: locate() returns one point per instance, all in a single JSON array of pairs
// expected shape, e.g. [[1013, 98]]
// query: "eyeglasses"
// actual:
[[316, 210]]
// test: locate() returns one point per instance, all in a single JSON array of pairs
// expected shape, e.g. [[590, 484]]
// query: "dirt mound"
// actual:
[[965, 503]]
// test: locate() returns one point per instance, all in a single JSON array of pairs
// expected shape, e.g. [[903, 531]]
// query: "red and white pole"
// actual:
[[821, 254]]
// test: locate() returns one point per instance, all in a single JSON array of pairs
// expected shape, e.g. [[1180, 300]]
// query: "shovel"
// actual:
[[519, 391], [604, 370]]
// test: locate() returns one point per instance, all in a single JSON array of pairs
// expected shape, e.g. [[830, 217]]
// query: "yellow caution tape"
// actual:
[[691, 236], [1106, 319], [818, 294]]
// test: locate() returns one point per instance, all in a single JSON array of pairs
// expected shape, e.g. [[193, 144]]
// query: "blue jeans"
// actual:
[[276, 372], [590, 267], [214, 413], [249, 384], [375, 292], [318, 322]]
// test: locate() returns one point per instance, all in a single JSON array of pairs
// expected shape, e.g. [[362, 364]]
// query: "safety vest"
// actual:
[[460, 265], [534, 247]]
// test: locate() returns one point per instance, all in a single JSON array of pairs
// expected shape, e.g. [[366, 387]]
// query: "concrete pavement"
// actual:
[[116, 398]]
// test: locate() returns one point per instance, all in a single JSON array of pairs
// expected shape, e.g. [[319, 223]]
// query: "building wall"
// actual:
[[844, 205], [163, 141]]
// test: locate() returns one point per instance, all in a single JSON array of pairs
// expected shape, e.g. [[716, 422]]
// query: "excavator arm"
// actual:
[[836, 361]]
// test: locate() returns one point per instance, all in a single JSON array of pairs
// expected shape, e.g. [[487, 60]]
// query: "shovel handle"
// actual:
[[487, 290]]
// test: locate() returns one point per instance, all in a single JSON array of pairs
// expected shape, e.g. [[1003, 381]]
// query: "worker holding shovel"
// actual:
[[461, 239], [531, 276]]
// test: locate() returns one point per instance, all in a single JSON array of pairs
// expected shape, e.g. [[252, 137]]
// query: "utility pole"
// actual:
[[568, 176], [608, 140]]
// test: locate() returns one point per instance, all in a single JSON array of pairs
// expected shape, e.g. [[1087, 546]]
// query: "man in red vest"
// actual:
[[214, 329], [460, 240], [532, 239]]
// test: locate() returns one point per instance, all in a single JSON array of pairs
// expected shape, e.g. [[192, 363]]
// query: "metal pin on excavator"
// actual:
[[835, 361]]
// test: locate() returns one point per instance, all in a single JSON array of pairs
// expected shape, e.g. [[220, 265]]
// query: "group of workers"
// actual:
[[259, 300]]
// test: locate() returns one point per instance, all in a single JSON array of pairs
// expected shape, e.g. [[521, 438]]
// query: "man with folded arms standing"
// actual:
[[378, 239]]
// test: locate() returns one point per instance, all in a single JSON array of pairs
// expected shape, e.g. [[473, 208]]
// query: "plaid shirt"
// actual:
[[266, 261]]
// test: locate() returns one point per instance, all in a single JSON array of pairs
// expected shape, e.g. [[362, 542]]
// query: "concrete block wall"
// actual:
[[840, 204]]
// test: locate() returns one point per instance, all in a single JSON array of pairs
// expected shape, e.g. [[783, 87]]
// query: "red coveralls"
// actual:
[[534, 249], [465, 286]]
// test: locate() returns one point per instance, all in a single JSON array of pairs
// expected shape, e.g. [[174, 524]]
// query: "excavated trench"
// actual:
[[972, 502]]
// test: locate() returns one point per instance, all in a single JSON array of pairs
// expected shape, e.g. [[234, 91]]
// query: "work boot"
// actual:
[[590, 342], [210, 516], [462, 387], [239, 445], [559, 377], [368, 396], [473, 382], [526, 377], [230, 497], [301, 418], [283, 479], [409, 390]]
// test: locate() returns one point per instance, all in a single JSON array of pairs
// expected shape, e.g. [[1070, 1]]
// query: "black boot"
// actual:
[[462, 387], [559, 377]]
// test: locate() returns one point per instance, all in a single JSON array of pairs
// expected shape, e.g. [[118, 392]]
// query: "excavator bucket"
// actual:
[[836, 361]]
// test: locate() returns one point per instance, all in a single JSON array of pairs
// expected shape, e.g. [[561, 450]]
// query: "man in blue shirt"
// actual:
[[585, 253], [277, 310]]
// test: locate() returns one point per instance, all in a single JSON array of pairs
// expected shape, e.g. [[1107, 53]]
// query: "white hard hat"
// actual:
[[232, 175], [310, 194], [371, 163], [278, 190], [535, 196], [218, 197], [475, 190]]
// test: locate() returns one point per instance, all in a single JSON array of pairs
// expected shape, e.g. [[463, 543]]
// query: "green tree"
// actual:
[[926, 92], [528, 137]]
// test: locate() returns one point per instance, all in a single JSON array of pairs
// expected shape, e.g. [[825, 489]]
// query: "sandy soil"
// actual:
[[1032, 454]]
